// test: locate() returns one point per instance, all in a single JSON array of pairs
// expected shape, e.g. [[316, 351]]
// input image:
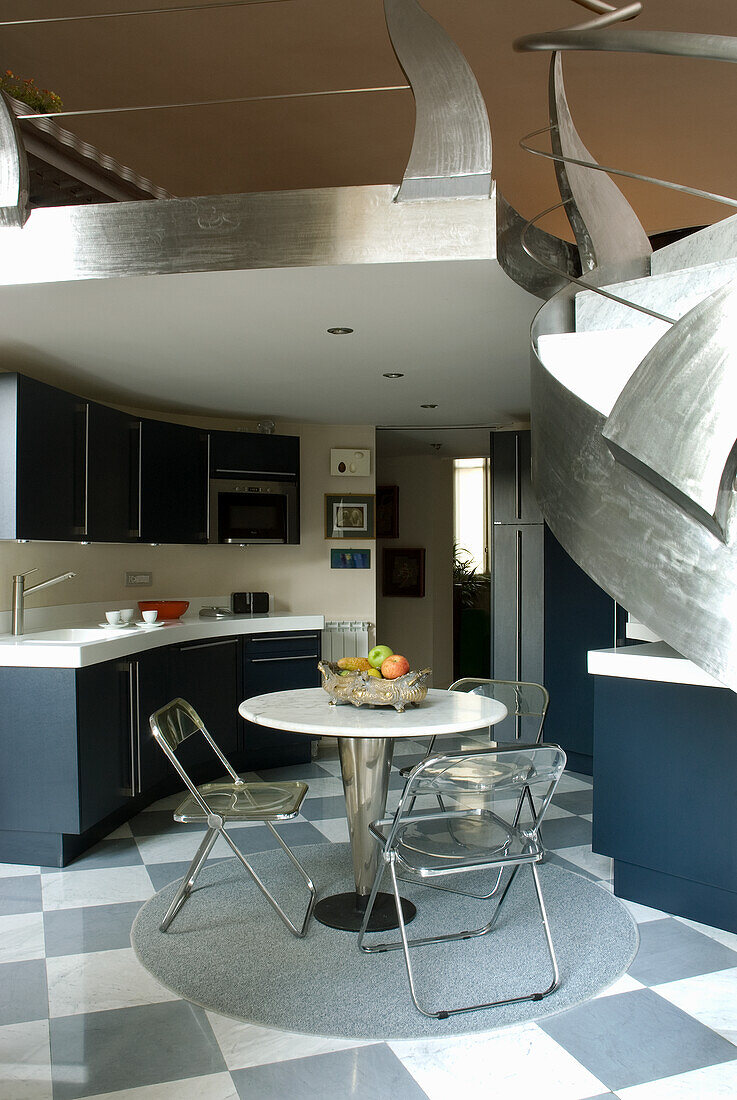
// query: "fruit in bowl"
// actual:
[[166, 609], [378, 655], [393, 666]]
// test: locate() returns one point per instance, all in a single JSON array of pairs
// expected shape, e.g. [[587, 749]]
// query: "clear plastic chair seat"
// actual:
[[244, 801], [440, 847]]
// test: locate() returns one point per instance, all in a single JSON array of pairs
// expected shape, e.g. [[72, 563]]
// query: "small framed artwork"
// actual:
[[403, 571], [350, 559], [387, 511], [349, 516]]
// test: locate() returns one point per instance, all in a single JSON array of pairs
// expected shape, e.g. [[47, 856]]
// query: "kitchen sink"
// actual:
[[66, 634]]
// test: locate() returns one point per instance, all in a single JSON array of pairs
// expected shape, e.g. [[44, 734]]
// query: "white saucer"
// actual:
[[148, 626], [117, 626]]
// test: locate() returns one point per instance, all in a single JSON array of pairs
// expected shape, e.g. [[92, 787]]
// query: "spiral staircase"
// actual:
[[634, 383]]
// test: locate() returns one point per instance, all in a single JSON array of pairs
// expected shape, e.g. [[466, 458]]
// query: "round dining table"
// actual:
[[366, 737]]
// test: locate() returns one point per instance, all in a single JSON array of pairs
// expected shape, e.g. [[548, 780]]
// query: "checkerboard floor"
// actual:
[[79, 1017]]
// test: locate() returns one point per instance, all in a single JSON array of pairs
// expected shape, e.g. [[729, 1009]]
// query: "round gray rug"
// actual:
[[227, 950]]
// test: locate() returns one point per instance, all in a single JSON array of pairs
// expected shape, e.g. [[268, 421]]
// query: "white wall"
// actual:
[[421, 628], [299, 577]]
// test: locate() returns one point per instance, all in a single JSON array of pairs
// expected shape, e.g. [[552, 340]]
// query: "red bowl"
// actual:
[[167, 609]]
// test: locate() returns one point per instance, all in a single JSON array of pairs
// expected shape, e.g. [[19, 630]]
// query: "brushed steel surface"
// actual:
[[13, 169], [674, 421], [647, 552], [341, 225], [451, 149], [709, 47], [526, 271], [365, 765], [607, 230]]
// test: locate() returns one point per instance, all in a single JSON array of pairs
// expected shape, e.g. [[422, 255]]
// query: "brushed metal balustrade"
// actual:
[[643, 499]]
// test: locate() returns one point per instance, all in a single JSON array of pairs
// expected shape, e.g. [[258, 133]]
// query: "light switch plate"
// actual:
[[134, 580], [350, 462]]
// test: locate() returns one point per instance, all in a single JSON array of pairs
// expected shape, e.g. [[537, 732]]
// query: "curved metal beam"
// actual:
[[607, 230], [13, 169], [451, 150], [544, 268]]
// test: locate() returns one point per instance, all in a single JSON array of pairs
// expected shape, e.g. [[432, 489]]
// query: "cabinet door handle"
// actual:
[[206, 645], [139, 781], [136, 471], [282, 638], [300, 657], [257, 473], [132, 723]]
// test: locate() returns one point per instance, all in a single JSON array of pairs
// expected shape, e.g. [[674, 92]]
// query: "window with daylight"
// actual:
[[471, 507]]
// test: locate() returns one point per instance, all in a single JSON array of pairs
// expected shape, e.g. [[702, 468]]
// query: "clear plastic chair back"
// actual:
[[175, 722], [526, 704]]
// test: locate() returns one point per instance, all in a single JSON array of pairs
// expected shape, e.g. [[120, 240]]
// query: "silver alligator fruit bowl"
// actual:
[[361, 689]]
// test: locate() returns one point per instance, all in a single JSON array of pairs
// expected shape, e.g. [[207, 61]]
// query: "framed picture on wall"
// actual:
[[387, 511], [349, 516], [403, 571], [350, 559]]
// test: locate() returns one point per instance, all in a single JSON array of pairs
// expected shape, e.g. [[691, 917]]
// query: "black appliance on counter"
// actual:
[[250, 603]]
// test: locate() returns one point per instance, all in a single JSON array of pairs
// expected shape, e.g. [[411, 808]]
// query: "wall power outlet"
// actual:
[[133, 580]]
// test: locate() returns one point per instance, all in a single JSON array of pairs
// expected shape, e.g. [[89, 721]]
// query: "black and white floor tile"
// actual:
[[79, 1016]]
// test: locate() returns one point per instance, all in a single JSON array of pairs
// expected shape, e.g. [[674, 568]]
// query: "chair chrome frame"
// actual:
[[519, 711], [216, 821], [388, 833]]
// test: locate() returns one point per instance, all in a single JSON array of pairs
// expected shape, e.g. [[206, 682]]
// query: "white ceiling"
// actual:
[[254, 344]]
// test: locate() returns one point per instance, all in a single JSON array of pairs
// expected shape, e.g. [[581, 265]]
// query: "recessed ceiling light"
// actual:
[[428, 406], [393, 374], [340, 331]]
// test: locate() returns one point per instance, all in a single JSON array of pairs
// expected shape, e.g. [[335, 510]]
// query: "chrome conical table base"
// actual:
[[365, 765]]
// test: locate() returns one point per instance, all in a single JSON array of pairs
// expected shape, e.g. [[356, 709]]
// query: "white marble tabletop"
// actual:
[[308, 710]]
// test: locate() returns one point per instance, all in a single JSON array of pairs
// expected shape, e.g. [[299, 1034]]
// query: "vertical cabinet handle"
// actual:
[[82, 468], [518, 624], [134, 730], [136, 474]]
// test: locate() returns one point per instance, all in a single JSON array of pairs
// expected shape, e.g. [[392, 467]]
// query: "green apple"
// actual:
[[378, 655]]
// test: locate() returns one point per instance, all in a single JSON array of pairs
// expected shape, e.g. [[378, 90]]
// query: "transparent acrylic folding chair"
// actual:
[[527, 705], [214, 804], [468, 838]]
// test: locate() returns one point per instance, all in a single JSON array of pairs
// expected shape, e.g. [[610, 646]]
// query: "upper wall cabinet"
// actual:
[[42, 441], [173, 483], [111, 475], [250, 454], [74, 470]]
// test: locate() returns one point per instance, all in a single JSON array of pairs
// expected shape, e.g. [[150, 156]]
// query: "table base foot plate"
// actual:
[[345, 911]]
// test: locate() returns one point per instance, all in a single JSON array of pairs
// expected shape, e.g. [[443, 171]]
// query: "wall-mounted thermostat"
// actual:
[[350, 463]]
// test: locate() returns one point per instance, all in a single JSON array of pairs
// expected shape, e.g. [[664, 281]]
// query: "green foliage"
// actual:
[[39, 99], [465, 577]]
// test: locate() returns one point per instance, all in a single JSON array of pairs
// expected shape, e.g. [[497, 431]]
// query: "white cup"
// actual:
[[149, 616], [126, 615], [113, 617]]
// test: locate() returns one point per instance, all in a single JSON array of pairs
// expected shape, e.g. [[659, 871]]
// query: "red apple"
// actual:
[[394, 666]]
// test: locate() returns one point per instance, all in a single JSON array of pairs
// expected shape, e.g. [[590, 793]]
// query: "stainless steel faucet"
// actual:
[[20, 592]]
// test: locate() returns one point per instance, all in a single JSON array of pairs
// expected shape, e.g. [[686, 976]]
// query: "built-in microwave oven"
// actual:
[[246, 512]]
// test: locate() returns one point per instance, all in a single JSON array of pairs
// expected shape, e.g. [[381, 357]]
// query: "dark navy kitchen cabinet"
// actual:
[[205, 673], [173, 483], [253, 455], [277, 662], [112, 476], [77, 750], [42, 460]]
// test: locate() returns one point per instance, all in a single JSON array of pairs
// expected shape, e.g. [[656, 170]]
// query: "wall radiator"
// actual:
[[343, 638]]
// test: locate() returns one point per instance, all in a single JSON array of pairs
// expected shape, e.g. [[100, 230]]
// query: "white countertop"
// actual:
[[93, 644], [650, 661], [309, 710]]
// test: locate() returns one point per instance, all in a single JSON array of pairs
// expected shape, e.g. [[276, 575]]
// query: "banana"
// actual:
[[354, 664]]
